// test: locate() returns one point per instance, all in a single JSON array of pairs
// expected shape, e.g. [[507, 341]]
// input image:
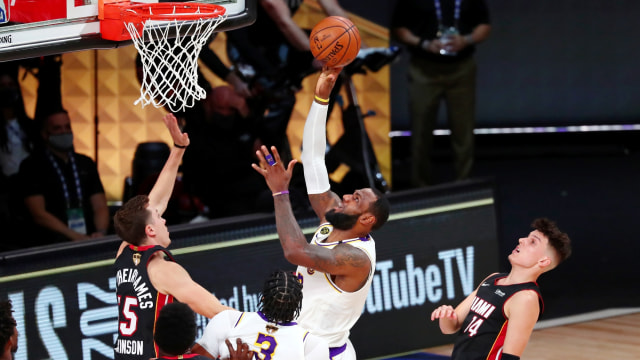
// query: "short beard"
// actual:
[[341, 221]]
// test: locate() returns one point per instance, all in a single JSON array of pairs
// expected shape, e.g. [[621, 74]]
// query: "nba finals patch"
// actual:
[[136, 258], [323, 232]]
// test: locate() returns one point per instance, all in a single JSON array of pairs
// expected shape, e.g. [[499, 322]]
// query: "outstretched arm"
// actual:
[[341, 260], [279, 12], [161, 192], [333, 8], [169, 277], [314, 142]]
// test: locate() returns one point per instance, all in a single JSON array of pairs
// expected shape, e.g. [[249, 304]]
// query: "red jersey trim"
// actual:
[[161, 301], [140, 248], [496, 349]]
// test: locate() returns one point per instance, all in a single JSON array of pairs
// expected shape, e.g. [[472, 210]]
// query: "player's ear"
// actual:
[[544, 262], [367, 219], [149, 230]]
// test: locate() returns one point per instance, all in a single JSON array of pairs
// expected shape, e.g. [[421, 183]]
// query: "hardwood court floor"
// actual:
[[604, 339]]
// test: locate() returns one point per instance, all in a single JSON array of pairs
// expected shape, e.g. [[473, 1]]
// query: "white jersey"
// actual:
[[328, 311], [269, 341]]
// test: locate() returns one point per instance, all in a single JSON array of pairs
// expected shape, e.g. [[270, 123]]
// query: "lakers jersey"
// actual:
[[328, 311], [138, 303], [485, 327], [285, 341]]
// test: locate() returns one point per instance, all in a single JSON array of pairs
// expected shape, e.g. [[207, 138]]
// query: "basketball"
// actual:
[[335, 41]]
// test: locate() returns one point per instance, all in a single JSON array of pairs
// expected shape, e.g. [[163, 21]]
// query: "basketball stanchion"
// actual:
[[168, 37]]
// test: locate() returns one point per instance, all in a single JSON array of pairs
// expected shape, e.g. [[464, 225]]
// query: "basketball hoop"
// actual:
[[169, 37]]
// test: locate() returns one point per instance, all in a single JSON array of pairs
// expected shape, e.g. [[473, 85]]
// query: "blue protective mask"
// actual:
[[62, 142]]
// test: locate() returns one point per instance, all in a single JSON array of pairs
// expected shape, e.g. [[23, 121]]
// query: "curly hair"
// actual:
[[7, 322], [175, 328], [557, 239], [131, 219], [281, 297]]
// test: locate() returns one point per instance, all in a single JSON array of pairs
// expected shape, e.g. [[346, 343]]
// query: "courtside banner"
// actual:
[[435, 249]]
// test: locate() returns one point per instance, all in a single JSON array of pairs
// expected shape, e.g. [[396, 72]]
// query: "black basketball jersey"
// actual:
[[485, 327], [139, 303]]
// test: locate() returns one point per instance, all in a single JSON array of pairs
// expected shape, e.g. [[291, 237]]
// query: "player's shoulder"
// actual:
[[527, 295], [231, 313], [491, 277], [227, 319], [524, 302], [158, 261]]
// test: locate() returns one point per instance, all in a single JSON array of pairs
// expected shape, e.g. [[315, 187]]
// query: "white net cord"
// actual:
[[170, 66]]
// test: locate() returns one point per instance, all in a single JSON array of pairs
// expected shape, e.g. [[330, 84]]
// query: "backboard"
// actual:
[[44, 27]]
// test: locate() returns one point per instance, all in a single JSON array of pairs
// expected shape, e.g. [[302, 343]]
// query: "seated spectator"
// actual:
[[61, 189], [175, 332]]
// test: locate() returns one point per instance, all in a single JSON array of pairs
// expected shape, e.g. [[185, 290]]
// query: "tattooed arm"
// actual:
[[349, 265]]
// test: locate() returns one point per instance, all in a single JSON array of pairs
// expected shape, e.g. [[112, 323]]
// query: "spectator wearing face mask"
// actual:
[[61, 189]]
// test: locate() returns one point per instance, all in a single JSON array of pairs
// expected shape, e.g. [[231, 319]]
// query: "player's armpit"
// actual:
[[315, 348]]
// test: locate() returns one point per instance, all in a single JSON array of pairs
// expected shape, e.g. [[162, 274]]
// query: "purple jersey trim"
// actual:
[[290, 323], [335, 351]]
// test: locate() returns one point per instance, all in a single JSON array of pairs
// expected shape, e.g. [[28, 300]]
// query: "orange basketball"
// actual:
[[335, 41]]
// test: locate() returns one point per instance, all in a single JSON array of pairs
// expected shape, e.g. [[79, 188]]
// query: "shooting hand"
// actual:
[[327, 79]]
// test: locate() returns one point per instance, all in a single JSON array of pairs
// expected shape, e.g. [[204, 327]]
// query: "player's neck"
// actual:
[[520, 275], [337, 234]]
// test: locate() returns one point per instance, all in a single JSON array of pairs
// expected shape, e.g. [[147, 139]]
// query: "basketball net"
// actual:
[[170, 65]]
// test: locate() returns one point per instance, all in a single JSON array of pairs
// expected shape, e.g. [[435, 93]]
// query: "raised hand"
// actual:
[[272, 169], [326, 81], [179, 138]]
